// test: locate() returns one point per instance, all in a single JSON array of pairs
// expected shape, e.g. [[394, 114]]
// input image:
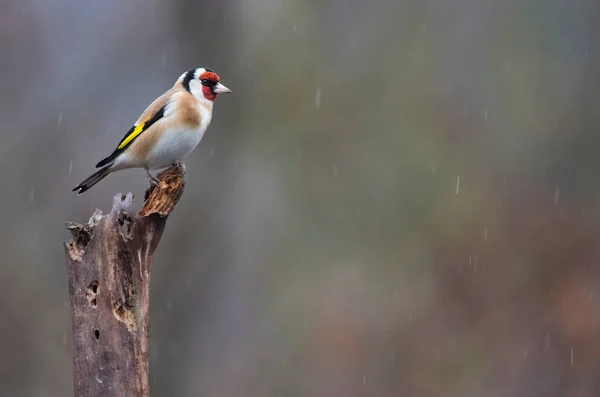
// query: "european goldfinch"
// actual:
[[168, 130]]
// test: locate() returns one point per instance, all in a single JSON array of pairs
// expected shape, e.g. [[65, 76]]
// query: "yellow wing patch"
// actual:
[[136, 131]]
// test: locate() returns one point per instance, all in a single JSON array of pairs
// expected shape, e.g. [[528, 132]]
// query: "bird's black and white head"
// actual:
[[203, 83]]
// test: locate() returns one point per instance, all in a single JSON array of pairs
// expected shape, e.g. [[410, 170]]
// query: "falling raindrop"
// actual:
[[364, 379], [556, 196], [70, 166], [31, 194], [59, 120], [457, 185], [294, 27], [485, 233], [485, 116], [571, 356], [525, 354], [334, 171], [318, 98]]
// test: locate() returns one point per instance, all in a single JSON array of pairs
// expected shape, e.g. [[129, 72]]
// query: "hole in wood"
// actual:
[[97, 334], [126, 226], [92, 291]]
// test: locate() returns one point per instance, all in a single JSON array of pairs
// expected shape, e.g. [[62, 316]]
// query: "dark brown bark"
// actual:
[[108, 263]]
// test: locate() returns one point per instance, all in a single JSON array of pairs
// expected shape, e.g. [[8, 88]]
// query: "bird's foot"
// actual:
[[182, 166], [152, 179]]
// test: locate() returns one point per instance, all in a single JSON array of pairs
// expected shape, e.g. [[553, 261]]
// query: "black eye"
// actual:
[[208, 83], [205, 82]]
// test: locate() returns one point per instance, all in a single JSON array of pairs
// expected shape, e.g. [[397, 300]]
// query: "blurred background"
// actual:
[[400, 199]]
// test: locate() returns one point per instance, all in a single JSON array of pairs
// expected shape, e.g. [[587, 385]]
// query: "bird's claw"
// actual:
[[181, 165], [154, 181]]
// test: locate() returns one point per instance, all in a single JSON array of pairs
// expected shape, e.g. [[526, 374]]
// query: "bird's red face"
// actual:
[[211, 85]]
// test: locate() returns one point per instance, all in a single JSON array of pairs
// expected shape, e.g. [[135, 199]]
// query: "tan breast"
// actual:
[[182, 114]]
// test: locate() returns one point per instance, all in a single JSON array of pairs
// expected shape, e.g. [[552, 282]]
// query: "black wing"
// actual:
[[131, 135]]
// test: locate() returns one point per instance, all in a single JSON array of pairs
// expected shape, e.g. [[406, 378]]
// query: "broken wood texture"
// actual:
[[108, 263]]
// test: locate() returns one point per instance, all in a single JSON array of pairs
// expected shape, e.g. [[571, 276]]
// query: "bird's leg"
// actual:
[[151, 178], [182, 166]]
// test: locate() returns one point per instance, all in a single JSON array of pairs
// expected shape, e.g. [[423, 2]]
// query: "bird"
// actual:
[[167, 131]]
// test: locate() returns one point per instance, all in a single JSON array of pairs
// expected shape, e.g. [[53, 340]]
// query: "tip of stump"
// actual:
[[161, 199]]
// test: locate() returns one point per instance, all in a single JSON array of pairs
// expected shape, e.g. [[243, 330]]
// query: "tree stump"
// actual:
[[109, 264]]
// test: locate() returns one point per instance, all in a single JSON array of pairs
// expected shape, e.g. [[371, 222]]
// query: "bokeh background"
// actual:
[[401, 198]]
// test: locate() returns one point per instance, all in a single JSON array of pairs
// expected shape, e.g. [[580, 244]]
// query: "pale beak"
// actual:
[[221, 89]]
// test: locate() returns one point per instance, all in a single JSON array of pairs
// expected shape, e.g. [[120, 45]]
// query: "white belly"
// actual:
[[173, 147], [176, 145]]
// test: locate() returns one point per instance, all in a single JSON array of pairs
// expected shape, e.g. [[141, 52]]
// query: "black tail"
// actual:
[[108, 159], [93, 179]]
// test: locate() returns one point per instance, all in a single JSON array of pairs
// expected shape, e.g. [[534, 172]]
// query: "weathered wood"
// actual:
[[161, 199], [109, 264]]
